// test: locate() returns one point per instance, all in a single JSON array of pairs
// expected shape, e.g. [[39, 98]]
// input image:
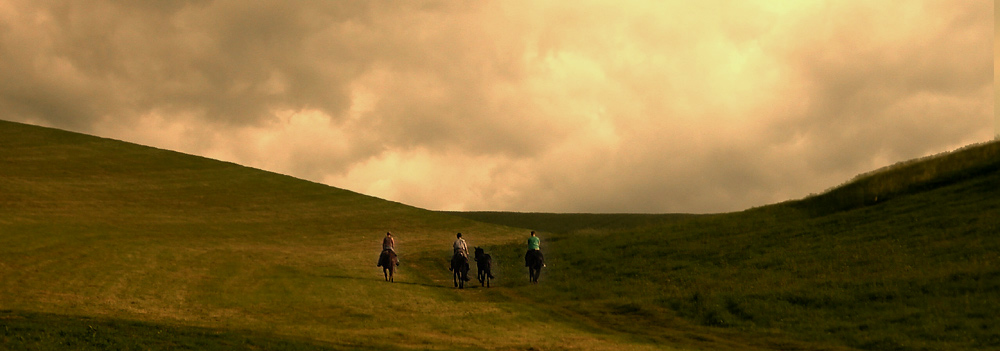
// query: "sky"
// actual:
[[530, 106]]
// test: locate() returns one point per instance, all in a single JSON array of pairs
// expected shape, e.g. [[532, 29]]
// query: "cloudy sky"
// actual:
[[555, 106]]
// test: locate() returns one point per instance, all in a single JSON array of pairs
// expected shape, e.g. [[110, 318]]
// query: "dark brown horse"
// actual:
[[460, 270], [388, 261], [484, 264], [534, 260]]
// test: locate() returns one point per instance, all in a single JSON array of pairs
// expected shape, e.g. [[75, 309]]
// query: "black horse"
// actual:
[[484, 264], [388, 261], [534, 260], [460, 269]]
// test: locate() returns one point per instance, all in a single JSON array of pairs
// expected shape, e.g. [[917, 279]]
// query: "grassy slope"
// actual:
[[100, 239], [918, 269], [121, 236]]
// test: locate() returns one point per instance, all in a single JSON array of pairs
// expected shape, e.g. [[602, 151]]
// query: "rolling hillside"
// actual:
[[110, 245], [100, 238]]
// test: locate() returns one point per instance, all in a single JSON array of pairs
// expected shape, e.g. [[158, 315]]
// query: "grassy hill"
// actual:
[[101, 238], [110, 245], [916, 269]]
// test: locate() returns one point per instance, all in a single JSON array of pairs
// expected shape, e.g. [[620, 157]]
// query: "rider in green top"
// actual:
[[534, 249], [533, 242]]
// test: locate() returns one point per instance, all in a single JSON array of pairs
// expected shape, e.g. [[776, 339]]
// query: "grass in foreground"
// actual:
[[40, 331]]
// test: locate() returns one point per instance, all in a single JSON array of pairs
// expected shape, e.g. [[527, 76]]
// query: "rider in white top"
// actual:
[[460, 246]]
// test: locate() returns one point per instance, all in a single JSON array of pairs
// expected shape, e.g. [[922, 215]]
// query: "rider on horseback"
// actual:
[[388, 246], [461, 253], [388, 260], [534, 250]]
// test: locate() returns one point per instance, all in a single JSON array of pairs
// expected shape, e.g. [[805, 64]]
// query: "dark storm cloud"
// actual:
[[553, 106]]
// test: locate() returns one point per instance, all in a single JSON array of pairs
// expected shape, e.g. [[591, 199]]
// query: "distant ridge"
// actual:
[[88, 153], [865, 189], [907, 177]]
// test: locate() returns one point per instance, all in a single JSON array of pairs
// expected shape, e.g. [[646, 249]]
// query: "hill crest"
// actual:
[[906, 177]]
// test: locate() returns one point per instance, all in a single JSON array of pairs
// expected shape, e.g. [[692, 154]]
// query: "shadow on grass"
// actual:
[[21, 330]]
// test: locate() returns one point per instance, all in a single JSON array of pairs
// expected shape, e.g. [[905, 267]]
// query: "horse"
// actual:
[[388, 261], [460, 269], [484, 264], [534, 260]]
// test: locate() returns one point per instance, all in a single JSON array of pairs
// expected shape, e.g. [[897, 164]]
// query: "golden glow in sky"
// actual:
[[557, 106]]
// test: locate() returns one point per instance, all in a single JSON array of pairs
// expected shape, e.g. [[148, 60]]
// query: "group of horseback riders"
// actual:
[[533, 259]]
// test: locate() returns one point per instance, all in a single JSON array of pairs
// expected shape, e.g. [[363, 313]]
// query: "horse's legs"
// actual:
[[533, 274]]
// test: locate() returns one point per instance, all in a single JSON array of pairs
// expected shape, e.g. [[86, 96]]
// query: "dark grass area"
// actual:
[[40, 331]]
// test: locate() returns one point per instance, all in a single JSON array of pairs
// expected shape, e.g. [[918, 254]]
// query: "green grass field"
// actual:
[[110, 245], [917, 270]]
